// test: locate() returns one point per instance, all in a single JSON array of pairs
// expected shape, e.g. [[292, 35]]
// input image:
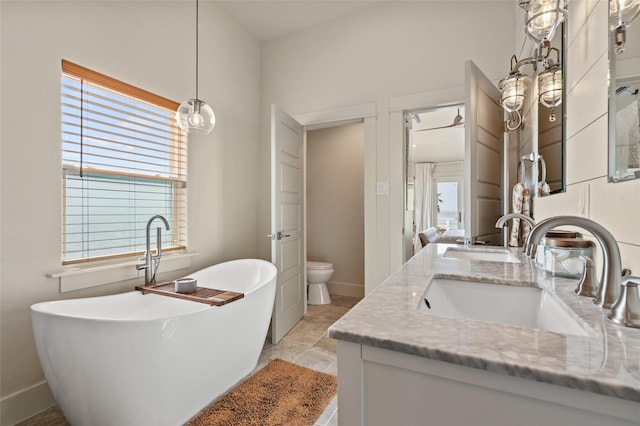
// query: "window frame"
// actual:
[[177, 147]]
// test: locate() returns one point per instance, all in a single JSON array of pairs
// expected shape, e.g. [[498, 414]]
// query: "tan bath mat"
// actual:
[[281, 393]]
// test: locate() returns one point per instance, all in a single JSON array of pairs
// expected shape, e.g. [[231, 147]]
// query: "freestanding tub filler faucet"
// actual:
[[151, 261], [609, 289]]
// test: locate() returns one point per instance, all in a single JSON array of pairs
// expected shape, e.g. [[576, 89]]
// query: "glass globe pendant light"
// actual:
[[195, 116]]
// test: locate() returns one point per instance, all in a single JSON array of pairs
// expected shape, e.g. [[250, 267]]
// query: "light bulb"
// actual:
[[195, 119]]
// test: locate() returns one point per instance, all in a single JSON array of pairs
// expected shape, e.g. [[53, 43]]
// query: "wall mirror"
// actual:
[[434, 175], [539, 142], [551, 131], [624, 88]]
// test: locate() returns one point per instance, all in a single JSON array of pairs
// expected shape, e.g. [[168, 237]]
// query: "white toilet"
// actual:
[[318, 273]]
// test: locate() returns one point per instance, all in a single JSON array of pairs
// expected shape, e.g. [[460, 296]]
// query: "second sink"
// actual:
[[488, 255]]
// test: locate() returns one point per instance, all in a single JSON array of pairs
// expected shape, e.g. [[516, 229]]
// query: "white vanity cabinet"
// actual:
[[401, 365], [383, 387]]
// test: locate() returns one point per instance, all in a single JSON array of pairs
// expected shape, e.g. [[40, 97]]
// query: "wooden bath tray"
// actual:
[[209, 296]]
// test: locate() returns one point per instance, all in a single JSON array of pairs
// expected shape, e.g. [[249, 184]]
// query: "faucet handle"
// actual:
[[158, 242], [588, 285], [143, 265], [626, 309]]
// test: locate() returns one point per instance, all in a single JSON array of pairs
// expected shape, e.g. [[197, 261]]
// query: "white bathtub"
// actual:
[[133, 359]]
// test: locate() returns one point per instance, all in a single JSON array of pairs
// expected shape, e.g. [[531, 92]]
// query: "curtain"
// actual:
[[425, 210]]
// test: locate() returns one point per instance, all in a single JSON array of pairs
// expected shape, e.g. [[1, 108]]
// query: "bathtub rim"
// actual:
[[48, 307]]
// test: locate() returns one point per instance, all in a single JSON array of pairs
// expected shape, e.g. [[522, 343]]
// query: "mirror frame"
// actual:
[[612, 175]]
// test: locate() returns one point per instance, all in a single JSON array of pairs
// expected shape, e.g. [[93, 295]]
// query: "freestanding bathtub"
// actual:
[[133, 359]]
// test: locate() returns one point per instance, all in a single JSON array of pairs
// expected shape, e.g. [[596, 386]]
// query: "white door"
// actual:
[[287, 221], [484, 134]]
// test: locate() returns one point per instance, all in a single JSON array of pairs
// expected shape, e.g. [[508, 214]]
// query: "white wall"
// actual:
[[147, 44], [389, 51], [615, 206], [335, 204]]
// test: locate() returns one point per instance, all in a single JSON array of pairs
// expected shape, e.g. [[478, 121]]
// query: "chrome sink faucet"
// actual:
[[151, 261], [503, 219], [609, 288]]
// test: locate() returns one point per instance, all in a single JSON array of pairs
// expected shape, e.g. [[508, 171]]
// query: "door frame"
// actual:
[[365, 113], [398, 107], [408, 215]]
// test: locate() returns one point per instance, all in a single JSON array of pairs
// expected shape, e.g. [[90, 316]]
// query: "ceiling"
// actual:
[[437, 146], [269, 19]]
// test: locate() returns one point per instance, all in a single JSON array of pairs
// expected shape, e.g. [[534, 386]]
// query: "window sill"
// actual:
[[86, 277]]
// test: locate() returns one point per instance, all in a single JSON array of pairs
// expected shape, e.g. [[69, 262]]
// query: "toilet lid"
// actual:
[[318, 265]]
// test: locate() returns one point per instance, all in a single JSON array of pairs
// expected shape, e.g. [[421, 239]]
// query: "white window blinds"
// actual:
[[123, 160]]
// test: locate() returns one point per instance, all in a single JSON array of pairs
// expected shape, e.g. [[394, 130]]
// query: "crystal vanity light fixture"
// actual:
[[514, 86], [543, 17], [550, 87], [513, 89], [622, 13], [194, 115], [550, 80]]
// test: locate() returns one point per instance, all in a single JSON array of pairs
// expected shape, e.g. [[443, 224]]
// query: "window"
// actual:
[[123, 161], [449, 201]]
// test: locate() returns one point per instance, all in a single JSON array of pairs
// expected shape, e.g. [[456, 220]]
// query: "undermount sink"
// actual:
[[519, 306], [488, 255]]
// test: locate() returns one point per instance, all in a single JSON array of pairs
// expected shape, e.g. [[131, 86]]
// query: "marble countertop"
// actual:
[[605, 362]]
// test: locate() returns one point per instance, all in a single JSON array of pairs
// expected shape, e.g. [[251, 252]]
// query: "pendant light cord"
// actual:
[[82, 128], [197, 7]]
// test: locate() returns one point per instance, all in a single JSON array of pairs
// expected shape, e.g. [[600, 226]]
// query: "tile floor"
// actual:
[[306, 344]]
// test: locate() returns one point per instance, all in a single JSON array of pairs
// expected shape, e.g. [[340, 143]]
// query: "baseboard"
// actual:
[[21, 405], [346, 289]]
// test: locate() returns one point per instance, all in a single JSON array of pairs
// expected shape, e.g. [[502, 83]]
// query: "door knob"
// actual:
[[278, 235]]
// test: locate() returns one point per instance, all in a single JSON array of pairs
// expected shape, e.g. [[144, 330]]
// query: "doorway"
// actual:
[[434, 174], [362, 113], [335, 204]]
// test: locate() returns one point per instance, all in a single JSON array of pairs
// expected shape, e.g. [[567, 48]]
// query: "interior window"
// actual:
[[123, 161], [449, 201]]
